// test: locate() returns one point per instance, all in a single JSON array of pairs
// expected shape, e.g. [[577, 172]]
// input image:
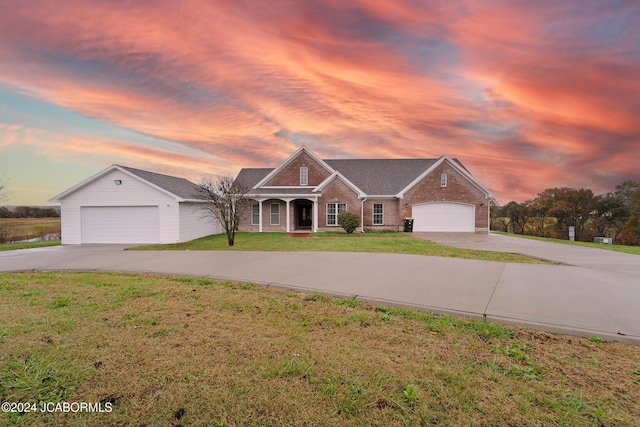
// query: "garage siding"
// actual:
[[193, 225], [132, 192]]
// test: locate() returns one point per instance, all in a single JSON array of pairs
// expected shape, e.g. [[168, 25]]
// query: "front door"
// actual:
[[305, 212]]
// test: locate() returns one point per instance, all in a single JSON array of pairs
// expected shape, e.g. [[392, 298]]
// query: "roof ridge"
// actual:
[[175, 185], [388, 158], [131, 169]]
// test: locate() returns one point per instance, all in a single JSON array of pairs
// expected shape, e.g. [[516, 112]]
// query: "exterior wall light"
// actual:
[[117, 181]]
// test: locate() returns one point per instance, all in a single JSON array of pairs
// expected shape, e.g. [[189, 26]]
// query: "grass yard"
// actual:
[[187, 351], [634, 250], [398, 243], [28, 245]]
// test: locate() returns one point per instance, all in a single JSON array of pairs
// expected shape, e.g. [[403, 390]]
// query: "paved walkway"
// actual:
[[597, 294]]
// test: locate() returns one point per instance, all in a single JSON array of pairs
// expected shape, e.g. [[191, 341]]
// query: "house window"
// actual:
[[333, 209], [275, 213], [378, 214], [443, 180], [255, 214], [304, 175]]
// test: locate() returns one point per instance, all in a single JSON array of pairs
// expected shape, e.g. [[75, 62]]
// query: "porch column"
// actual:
[[315, 215], [260, 216], [288, 227]]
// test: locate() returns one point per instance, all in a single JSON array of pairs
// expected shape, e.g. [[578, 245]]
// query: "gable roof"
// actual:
[[302, 149], [399, 175], [339, 176], [455, 163], [366, 173], [179, 188]]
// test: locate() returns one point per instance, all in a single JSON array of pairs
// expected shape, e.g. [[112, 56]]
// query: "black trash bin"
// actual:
[[408, 225]]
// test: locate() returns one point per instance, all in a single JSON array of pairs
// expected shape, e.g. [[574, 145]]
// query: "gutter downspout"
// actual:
[[362, 215]]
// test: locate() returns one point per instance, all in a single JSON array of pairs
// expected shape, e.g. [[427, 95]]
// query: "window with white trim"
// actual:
[[275, 213], [304, 175], [333, 210], [378, 214], [255, 214], [443, 180]]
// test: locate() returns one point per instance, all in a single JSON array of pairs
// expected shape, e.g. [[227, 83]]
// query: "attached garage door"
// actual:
[[120, 224], [443, 217]]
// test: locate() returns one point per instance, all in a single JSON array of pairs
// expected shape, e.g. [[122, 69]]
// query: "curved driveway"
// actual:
[[597, 292]]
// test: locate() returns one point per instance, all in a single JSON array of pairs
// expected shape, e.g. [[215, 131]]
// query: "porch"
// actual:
[[300, 214]]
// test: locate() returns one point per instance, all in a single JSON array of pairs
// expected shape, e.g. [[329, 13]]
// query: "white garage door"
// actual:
[[120, 224], [443, 217]]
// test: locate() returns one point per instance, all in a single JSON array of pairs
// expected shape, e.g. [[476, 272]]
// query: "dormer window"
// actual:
[[304, 175], [443, 180]]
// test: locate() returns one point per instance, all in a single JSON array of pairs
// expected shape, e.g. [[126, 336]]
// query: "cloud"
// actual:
[[63, 147], [527, 95]]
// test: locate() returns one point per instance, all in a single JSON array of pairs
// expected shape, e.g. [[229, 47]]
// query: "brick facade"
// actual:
[[392, 220], [459, 190], [336, 192], [290, 174], [462, 188]]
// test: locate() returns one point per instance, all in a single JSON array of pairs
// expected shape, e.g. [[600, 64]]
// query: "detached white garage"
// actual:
[[127, 205], [444, 217]]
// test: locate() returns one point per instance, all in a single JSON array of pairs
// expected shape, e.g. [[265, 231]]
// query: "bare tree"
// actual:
[[6, 231], [3, 192], [226, 201]]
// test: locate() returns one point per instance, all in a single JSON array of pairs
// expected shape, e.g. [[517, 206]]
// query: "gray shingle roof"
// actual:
[[179, 186], [377, 177], [251, 177], [381, 176]]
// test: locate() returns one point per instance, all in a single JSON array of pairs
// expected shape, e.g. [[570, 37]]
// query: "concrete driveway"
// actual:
[[600, 259], [595, 290], [598, 293]]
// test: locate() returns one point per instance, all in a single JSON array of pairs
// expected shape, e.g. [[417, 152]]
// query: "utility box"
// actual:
[[605, 240]]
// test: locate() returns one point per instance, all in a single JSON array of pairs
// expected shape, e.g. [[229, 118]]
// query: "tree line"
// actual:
[[552, 212], [28, 212]]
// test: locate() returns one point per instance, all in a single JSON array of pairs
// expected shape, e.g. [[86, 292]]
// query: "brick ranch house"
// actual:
[[307, 193]]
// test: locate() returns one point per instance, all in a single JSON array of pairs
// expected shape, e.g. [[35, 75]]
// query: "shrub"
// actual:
[[7, 234], [349, 221], [41, 231]]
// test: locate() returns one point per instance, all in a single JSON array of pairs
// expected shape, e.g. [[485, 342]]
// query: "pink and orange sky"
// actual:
[[528, 95]]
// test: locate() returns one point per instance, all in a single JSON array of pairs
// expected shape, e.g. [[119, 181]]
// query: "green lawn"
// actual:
[[189, 351], [634, 250], [398, 243], [28, 245]]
